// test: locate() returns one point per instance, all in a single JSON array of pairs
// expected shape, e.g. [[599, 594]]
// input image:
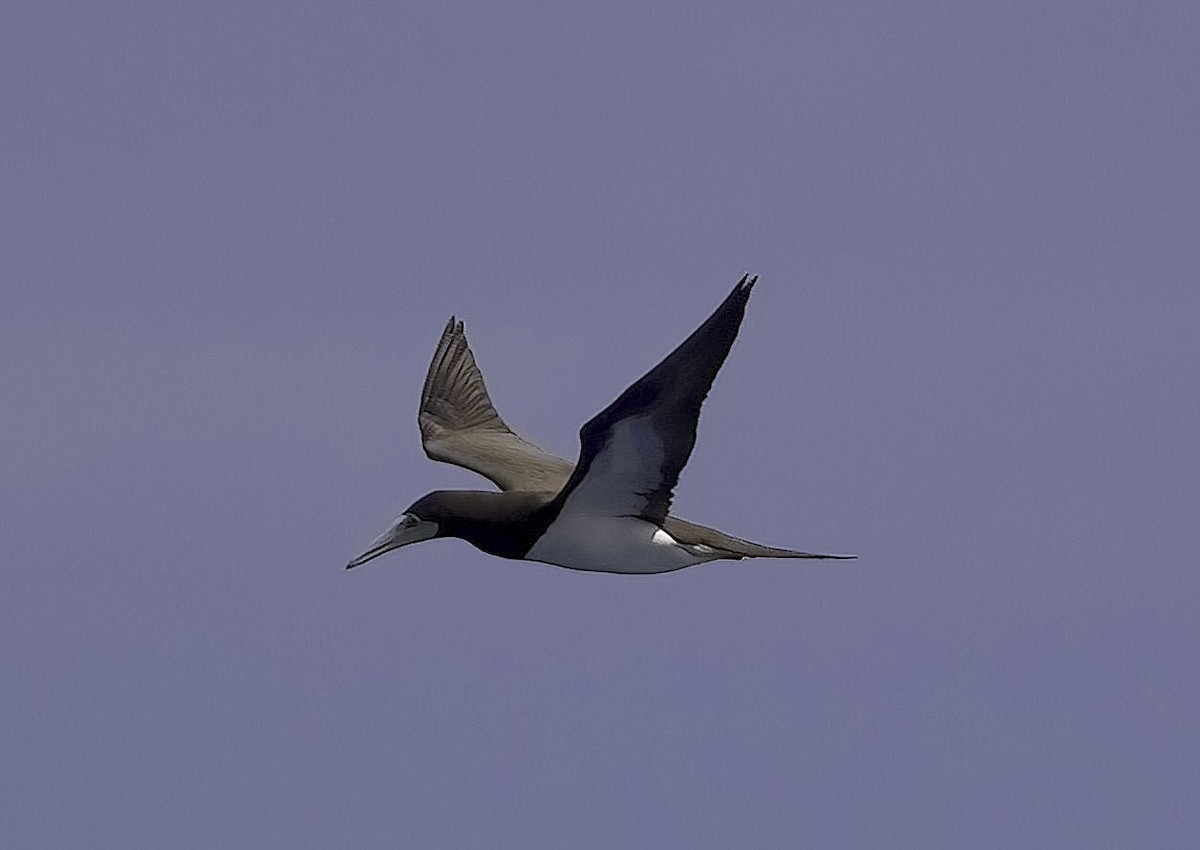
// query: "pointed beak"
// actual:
[[385, 542], [395, 537]]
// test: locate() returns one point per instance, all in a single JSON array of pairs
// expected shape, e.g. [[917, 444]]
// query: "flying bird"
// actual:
[[608, 512]]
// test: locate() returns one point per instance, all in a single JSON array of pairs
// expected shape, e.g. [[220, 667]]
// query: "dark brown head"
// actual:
[[504, 524]]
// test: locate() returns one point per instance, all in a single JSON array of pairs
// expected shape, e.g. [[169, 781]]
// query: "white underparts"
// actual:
[[613, 545]]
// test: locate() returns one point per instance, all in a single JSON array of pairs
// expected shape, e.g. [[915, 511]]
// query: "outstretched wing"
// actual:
[[459, 424], [632, 452]]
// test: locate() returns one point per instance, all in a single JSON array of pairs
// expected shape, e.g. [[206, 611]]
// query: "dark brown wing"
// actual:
[[632, 452], [459, 424]]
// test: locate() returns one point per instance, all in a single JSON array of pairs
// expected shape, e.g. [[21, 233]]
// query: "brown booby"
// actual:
[[609, 511]]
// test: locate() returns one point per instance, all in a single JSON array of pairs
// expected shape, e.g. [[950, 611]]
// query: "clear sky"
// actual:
[[230, 235]]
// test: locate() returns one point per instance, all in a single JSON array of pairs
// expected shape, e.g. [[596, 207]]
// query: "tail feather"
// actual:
[[732, 547]]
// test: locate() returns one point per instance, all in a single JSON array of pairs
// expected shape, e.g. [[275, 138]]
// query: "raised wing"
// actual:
[[459, 424], [632, 452]]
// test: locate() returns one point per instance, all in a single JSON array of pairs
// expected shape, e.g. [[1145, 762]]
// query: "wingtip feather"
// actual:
[[746, 284]]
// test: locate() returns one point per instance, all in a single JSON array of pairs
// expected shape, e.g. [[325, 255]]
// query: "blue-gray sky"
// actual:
[[230, 236]]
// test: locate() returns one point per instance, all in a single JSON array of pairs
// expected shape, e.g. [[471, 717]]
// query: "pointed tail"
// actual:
[[729, 546]]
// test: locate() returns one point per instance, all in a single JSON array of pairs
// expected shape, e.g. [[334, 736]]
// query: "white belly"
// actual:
[[613, 545]]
